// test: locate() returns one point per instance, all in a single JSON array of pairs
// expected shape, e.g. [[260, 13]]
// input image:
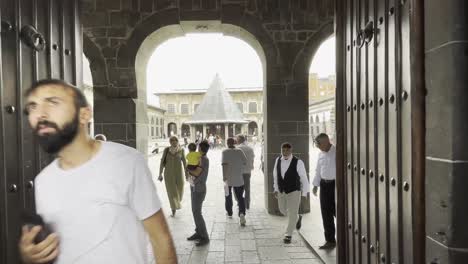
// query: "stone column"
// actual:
[[122, 120], [233, 130], [281, 126], [446, 162], [192, 133], [204, 132], [226, 132]]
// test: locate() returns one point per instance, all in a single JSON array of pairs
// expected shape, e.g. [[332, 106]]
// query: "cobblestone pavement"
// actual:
[[260, 241]]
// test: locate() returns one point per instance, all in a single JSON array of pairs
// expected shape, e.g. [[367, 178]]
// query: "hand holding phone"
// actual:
[[37, 244], [31, 220]]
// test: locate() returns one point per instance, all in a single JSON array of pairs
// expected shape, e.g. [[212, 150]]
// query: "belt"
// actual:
[[327, 181]]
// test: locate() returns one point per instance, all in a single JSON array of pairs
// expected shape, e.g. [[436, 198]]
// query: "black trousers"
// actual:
[[247, 190], [327, 206], [239, 193]]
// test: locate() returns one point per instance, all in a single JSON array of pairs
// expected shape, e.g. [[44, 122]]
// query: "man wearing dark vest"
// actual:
[[325, 175], [289, 181]]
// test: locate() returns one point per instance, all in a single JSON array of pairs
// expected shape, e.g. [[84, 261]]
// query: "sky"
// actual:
[[323, 62], [191, 62]]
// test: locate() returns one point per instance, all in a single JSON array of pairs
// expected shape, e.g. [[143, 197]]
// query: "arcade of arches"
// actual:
[[118, 37]]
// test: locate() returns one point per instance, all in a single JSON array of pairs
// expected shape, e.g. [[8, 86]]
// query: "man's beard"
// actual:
[[54, 142]]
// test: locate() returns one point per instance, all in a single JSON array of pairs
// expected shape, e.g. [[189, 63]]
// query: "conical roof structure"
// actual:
[[217, 106]]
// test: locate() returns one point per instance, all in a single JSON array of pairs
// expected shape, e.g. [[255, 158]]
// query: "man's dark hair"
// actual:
[[286, 145], [320, 136], [78, 97], [192, 147], [241, 138], [204, 146], [230, 141]]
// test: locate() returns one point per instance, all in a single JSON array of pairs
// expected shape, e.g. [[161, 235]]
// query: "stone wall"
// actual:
[[446, 63]]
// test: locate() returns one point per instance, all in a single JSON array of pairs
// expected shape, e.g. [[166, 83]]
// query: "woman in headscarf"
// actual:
[[173, 164]]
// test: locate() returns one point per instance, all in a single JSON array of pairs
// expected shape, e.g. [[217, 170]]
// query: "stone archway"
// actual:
[[121, 30], [306, 55], [165, 32]]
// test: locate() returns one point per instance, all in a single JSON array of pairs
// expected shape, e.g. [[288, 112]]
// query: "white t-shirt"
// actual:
[[250, 155], [235, 161], [97, 208]]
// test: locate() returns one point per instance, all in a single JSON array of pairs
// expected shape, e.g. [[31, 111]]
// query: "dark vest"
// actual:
[[292, 180]]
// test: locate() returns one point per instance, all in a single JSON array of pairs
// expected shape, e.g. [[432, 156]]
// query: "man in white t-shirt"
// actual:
[[233, 161], [98, 197]]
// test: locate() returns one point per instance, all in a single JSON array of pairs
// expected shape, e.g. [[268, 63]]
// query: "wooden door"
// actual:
[[378, 119], [39, 39]]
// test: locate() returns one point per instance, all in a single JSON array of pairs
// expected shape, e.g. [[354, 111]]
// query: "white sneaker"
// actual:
[[242, 219]]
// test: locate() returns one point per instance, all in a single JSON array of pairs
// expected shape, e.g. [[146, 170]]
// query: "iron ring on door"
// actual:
[[33, 38], [365, 35]]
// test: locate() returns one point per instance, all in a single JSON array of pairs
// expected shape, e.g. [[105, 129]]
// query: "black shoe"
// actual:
[[299, 222], [287, 239], [173, 213], [328, 245], [194, 237], [202, 242]]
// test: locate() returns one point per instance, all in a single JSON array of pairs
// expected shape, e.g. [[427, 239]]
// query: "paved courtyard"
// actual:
[[260, 241]]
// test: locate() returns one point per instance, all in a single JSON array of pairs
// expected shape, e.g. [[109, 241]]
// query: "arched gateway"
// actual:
[[122, 36]]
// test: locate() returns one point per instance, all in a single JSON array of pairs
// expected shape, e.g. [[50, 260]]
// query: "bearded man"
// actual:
[[97, 196]]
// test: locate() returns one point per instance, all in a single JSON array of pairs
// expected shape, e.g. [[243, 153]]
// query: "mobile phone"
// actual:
[[30, 220]]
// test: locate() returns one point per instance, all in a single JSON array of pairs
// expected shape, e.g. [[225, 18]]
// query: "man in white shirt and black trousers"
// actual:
[[325, 175], [289, 181]]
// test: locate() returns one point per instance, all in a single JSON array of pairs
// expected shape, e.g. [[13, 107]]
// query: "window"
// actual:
[[171, 108], [152, 131], [157, 121], [241, 107], [152, 120], [195, 106], [184, 109], [253, 107]]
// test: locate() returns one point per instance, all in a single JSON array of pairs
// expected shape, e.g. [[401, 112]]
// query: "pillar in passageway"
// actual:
[[192, 133], [226, 131], [286, 120], [204, 132]]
